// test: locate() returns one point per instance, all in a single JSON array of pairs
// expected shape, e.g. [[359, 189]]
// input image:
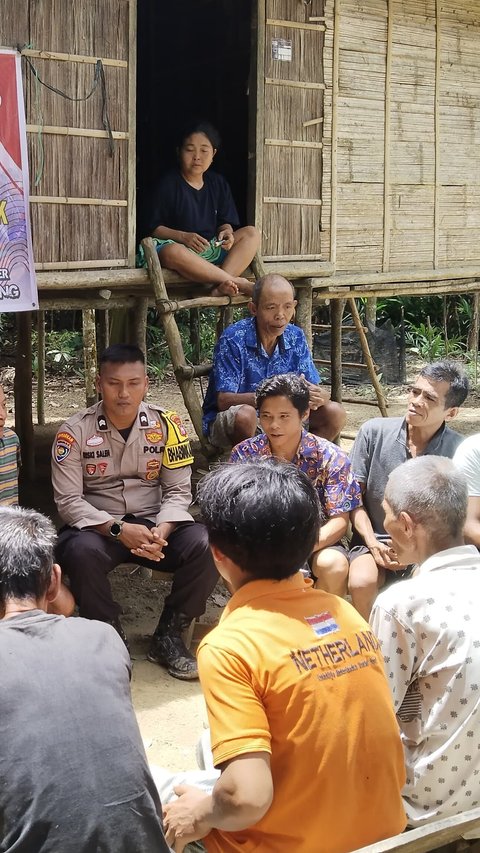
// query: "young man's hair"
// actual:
[[453, 373], [271, 278], [263, 515], [121, 354], [284, 385], [433, 492], [27, 541], [200, 126]]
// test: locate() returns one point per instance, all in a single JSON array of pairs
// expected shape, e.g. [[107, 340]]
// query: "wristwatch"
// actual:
[[116, 528]]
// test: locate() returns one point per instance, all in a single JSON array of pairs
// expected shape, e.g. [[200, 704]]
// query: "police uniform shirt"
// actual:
[[97, 475]]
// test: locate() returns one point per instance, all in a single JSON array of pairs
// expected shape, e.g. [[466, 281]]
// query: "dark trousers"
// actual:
[[87, 557]]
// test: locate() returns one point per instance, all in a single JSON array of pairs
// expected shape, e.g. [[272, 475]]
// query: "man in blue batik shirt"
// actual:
[[265, 344]]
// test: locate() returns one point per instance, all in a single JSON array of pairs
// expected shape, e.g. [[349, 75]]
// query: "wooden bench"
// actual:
[[433, 836]]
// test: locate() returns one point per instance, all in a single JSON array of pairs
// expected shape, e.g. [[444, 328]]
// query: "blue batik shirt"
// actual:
[[240, 363]]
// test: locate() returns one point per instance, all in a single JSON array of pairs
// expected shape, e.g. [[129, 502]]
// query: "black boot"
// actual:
[[115, 623], [168, 649]]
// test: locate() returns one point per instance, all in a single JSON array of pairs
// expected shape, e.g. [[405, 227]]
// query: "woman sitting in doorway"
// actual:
[[282, 405], [196, 222]]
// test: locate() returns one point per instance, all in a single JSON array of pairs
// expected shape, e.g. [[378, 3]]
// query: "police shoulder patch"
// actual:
[[177, 453]]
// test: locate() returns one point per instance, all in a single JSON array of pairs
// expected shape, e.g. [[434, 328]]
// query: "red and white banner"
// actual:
[[18, 286]]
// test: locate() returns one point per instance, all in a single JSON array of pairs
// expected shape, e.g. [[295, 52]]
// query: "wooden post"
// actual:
[[336, 313], [258, 267], [472, 340], [303, 312], [194, 323], [103, 331], [368, 358], [89, 354], [174, 340], [41, 368], [138, 325], [23, 394]]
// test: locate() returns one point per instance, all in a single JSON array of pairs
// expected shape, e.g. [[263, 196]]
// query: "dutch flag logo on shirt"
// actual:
[[322, 623]]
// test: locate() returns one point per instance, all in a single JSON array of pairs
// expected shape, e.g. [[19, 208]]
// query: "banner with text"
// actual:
[[18, 286]]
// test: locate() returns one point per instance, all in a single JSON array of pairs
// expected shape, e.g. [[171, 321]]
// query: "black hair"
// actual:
[[263, 515], [270, 278], [453, 373], [284, 385], [200, 126], [27, 540], [122, 354]]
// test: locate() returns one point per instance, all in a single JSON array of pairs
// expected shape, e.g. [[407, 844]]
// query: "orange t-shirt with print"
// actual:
[[297, 673]]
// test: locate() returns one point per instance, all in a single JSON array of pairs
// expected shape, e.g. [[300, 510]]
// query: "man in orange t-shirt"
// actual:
[[302, 724]]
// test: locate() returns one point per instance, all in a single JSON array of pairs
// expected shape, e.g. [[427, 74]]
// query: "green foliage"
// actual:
[[63, 353], [429, 342]]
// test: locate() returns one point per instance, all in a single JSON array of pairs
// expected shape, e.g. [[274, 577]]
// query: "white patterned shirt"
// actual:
[[429, 629]]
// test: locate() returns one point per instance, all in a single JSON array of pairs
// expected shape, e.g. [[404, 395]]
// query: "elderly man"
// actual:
[[73, 773], [290, 678], [429, 631], [380, 446], [266, 344], [121, 479]]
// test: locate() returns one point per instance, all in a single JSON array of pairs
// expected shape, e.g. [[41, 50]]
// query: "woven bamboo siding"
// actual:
[[81, 214], [406, 171], [292, 159]]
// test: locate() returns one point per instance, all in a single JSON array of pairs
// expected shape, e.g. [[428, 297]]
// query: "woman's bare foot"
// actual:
[[228, 287], [244, 286]]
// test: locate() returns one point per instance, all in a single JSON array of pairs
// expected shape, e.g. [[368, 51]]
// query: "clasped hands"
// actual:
[[198, 243], [143, 542]]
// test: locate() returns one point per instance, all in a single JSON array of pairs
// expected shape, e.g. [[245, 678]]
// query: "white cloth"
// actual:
[[467, 459], [429, 629]]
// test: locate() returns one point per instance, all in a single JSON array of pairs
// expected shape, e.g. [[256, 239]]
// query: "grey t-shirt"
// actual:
[[381, 446], [73, 773]]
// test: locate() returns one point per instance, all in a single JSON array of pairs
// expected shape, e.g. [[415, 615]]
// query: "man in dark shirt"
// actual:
[[73, 773]]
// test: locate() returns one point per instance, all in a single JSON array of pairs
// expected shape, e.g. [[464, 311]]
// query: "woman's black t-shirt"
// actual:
[[183, 208]]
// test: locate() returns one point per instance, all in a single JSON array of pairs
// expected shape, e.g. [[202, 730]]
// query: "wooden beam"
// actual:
[[295, 25], [334, 146], [336, 313], [310, 202], [132, 124], [41, 368], [368, 357], [60, 130], [23, 394], [436, 111], [257, 115], [81, 265], [293, 143], [387, 216], [89, 355], [293, 84], [432, 836], [73, 57], [303, 311], [53, 199]]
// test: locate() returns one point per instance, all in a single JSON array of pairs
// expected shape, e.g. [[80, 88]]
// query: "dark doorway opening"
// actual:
[[193, 62]]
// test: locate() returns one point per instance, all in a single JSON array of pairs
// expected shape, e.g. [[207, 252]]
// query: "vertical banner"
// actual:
[[18, 286]]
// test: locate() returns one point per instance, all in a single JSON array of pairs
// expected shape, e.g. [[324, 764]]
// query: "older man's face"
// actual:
[[402, 543]]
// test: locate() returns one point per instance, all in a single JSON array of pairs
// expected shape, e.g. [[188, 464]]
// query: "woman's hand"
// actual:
[[226, 237], [195, 242]]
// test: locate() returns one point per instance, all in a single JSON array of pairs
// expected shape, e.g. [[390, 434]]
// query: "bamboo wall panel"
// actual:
[[428, 190], [291, 229], [75, 167], [293, 113], [78, 232]]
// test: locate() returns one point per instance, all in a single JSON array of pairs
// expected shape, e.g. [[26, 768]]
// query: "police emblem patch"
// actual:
[[62, 450], [152, 475], [102, 467], [153, 465], [94, 440], [90, 469], [322, 623], [153, 436]]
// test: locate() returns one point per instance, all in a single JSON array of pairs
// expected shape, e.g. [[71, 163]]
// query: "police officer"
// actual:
[[121, 479]]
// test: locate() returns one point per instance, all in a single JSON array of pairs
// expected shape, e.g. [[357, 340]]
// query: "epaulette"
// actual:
[[178, 453]]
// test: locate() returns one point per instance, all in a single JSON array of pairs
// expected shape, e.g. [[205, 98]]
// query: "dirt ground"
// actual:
[[171, 713]]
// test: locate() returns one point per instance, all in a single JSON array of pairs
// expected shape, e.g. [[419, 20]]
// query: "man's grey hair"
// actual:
[[452, 372], [433, 491], [27, 542]]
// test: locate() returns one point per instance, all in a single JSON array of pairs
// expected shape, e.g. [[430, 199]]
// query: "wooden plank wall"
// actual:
[[402, 116], [82, 195]]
